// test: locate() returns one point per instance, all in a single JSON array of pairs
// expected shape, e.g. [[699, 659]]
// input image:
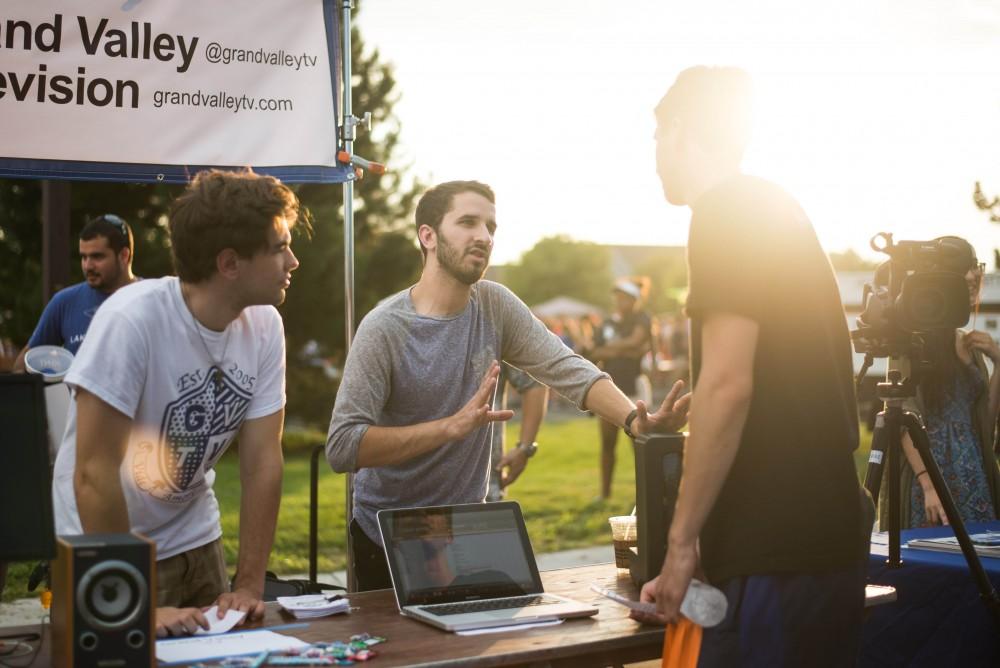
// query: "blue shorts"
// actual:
[[789, 620]]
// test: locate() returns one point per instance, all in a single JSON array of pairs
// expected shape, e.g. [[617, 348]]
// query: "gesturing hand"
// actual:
[[671, 416], [477, 412]]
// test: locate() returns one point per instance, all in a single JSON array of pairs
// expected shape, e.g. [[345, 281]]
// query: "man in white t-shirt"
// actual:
[[172, 370]]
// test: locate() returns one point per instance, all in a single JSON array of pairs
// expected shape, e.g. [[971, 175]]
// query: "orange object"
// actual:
[[46, 598], [681, 644], [360, 163]]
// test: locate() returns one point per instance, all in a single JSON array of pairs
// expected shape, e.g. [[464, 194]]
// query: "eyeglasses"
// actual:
[[118, 223]]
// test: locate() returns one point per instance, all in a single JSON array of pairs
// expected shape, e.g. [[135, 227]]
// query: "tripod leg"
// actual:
[[876, 460], [923, 446]]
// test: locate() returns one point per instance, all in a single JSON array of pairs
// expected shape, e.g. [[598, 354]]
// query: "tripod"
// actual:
[[887, 448]]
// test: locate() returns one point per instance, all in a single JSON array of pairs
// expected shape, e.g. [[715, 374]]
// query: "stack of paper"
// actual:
[[314, 605], [986, 544]]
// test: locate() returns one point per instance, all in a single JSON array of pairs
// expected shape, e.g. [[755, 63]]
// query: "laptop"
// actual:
[[468, 567]]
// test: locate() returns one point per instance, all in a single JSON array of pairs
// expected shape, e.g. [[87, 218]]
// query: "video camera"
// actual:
[[919, 290]]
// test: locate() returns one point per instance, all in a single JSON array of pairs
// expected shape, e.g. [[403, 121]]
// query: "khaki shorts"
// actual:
[[194, 578]]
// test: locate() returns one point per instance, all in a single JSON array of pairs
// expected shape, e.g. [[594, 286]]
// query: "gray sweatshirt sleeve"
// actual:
[[529, 345], [362, 394]]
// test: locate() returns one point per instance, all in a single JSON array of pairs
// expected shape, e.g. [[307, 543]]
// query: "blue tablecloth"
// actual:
[[938, 618]]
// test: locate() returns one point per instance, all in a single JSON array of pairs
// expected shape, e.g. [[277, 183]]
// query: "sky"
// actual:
[[877, 115]]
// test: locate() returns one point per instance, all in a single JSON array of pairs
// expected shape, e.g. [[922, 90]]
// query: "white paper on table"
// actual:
[[511, 627], [314, 605], [205, 648], [216, 625]]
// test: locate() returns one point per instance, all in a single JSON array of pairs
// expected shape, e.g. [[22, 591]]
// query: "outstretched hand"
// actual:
[[671, 416], [478, 410]]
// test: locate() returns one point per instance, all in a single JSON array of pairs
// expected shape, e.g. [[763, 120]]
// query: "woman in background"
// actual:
[[958, 401]]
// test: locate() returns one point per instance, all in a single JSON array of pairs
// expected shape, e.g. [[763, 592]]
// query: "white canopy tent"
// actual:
[[565, 307]]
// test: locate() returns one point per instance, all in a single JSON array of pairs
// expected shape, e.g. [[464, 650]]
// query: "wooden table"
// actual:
[[606, 639]]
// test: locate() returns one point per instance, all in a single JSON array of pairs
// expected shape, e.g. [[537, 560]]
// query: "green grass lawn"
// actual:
[[556, 493]]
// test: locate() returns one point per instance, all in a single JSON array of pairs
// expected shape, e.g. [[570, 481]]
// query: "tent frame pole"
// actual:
[[348, 135]]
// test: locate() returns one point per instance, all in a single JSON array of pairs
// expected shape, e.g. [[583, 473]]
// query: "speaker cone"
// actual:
[[111, 595]]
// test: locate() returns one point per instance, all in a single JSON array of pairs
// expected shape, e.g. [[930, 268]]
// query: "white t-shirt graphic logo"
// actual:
[[197, 427]]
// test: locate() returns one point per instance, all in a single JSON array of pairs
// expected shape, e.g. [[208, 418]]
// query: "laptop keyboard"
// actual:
[[445, 609]]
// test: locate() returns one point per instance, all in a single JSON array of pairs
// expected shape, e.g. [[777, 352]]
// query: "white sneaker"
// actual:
[[703, 604]]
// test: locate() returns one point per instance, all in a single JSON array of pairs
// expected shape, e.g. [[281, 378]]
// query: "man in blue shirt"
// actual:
[[106, 248]]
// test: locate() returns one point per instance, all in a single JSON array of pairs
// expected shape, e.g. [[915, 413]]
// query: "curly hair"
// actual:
[[223, 209]]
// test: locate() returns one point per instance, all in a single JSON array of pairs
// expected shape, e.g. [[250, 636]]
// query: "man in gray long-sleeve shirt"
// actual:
[[413, 414]]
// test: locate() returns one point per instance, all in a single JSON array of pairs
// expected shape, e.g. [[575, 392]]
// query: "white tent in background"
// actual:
[[564, 307]]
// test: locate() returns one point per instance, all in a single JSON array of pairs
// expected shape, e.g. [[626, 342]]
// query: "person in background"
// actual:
[[621, 342], [107, 248], [106, 251], [958, 400]]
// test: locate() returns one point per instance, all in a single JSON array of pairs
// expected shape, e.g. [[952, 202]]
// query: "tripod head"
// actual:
[[896, 388]]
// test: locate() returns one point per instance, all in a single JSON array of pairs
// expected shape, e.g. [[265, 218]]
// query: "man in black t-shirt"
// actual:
[[769, 501]]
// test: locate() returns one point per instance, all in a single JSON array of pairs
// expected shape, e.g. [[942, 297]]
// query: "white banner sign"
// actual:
[[171, 82]]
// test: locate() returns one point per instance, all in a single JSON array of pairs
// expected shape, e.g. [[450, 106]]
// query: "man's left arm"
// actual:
[[261, 465], [47, 331], [718, 413]]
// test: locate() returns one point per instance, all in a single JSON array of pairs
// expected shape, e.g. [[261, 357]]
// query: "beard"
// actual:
[[104, 281], [450, 258]]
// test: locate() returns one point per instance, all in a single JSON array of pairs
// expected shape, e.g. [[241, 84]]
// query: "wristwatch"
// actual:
[[629, 419], [529, 448]]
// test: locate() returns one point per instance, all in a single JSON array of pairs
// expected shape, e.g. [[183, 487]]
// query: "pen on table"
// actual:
[[260, 660]]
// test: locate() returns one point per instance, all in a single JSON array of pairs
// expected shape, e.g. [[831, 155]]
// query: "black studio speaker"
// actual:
[[658, 466], [103, 601]]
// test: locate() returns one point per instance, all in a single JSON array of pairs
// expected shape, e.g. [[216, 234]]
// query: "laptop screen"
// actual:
[[459, 553]]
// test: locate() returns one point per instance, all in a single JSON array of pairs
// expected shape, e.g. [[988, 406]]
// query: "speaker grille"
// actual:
[[111, 595]]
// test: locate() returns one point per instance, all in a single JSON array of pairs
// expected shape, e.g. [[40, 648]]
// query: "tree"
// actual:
[[561, 266], [386, 257], [667, 272], [144, 207]]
